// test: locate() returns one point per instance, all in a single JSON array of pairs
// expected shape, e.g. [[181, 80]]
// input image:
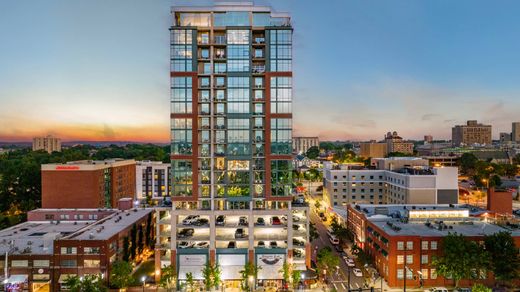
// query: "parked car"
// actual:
[[275, 220], [297, 242], [221, 220], [297, 253], [186, 232], [295, 227], [436, 289], [261, 244], [190, 219], [357, 272], [350, 262], [185, 244], [239, 233], [202, 244], [462, 290], [201, 222], [273, 244], [232, 244], [295, 218], [242, 221], [260, 221]]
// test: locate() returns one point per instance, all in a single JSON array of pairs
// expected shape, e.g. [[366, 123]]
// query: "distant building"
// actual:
[[373, 149], [428, 139], [396, 180], [57, 243], [87, 183], [394, 143], [302, 144], [153, 179], [442, 160], [49, 144], [515, 133], [505, 138], [472, 133]]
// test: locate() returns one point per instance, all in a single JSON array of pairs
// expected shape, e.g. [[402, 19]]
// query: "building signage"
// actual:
[[67, 167], [192, 260], [270, 259]]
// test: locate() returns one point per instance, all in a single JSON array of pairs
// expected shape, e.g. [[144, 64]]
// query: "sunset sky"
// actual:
[[98, 70]]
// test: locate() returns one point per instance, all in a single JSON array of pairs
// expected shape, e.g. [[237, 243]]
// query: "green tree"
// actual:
[[133, 241], [505, 262], [326, 260], [126, 249], [190, 282], [217, 276], [296, 277], [148, 232], [313, 152], [480, 288], [468, 163], [313, 233], [168, 279], [286, 271], [207, 273], [120, 274], [460, 258], [87, 283], [250, 270], [140, 239]]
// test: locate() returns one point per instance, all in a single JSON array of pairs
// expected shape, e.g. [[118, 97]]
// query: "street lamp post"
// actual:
[[143, 279]]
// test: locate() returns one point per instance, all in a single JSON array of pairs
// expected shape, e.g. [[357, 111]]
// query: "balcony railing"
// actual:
[[220, 40], [258, 69]]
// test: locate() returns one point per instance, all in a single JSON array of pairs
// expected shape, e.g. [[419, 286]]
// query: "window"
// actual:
[[238, 50], [280, 50], [433, 274], [68, 263], [91, 263], [400, 274], [433, 246], [41, 263], [400, 245], [281, 136], [424, 245], [400, 259], [281, 94], [19, 263], [204, 53], [91, 250], [409, 259], [181, 95], [69, 250], [409, 245], [181, 136], [424, 273], [181, 50], [424, 259]]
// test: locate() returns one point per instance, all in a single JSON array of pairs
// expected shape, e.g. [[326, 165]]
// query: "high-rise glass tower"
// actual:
[[231, 126]]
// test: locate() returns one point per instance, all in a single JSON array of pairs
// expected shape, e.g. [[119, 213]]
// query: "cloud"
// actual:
[[429, 117]]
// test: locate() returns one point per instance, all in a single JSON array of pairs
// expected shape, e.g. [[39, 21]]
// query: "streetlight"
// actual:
[[251, 282], [143, 279]]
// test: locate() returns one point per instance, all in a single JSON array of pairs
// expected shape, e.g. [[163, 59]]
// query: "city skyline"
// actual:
[[392, 66]]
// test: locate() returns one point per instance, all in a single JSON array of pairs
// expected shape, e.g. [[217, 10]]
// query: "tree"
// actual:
[[87, 283], [217, 276], [296, 277], [250, 270], [313, 233], [480, 288], [505, 262], [313, 152], [126, 249], [468, 162], [148, 232], [460, 258], [327, 260], [120, 276], [207, 273], [168, 279], [190, 283], [140, 239], [286, 271], [133, 241]]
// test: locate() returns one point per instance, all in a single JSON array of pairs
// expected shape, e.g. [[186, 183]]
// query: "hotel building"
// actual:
[[231, 121], [470, 134], [153, 179]]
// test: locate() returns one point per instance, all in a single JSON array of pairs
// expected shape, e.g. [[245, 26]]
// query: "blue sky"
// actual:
[[99, 69]]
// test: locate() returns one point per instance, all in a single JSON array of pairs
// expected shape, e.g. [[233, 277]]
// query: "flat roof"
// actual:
[[36, 237], [87, 164], [466, 228], [110, 225], [370, 210]]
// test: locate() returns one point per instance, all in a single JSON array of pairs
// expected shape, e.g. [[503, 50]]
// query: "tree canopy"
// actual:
[[505, 261]]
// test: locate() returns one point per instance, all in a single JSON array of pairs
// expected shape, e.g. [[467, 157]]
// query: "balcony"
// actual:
[[260, 40], [258, 69], [219, 40]]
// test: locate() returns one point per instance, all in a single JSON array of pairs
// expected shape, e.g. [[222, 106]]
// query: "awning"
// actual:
[[63, 277], [231, 272], [196, 272], [13, 279]]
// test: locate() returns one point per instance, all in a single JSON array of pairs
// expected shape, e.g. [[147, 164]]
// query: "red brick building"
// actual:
[[87, 184], [399, 235]]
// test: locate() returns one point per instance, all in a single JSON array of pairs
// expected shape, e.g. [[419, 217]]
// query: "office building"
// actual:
[[515, 132], [505, 138], [231, 78], [394, 143], [300, 145], [373, 150], [153, 179], [57, 243], [404, 239], [471, 134], [87, 183], [398, 180], [48, 143]]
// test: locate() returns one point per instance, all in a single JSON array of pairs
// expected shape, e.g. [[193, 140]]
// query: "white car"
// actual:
[[202, 244], [350, 262], [436, 289], [357, 272], [185, 244], [190, 219]]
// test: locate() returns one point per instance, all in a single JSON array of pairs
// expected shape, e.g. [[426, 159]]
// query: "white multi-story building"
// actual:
[[153, 179], [393, 181], [302, 144], [48, 143]]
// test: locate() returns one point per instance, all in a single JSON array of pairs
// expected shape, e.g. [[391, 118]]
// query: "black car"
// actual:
[[260, 221], [187, 232], [297, 242], [201, 222], [297, 253], [295, 227], [232, 244], [273, 244], [221, 220], [239, 233], [242, 221]]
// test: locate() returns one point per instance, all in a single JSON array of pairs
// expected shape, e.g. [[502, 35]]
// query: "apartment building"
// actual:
[[391, 181], [515, 132], [87, 183], [153, 179], [300, 145], [404, 239], [473, 133], [232, 198], [373, 150], [57, 243], [394, 143], [48, 143]]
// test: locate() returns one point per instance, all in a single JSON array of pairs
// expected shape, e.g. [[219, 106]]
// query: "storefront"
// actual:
[[41, 282], [192, 263], [270, 274], [231, 265], [17, 283]]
